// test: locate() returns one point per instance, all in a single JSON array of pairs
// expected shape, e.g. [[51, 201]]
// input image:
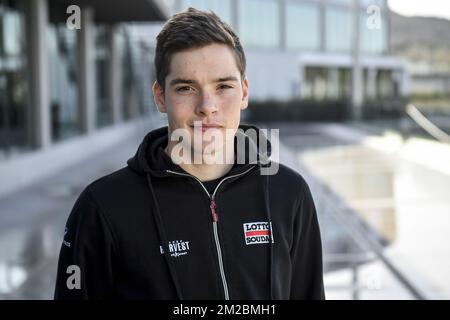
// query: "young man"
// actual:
[[170, 227]]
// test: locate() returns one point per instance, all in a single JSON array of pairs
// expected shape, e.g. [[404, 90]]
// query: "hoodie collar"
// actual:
[[151, 158]]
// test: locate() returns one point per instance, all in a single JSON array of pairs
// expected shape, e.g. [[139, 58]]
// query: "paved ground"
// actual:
[[32, 224]]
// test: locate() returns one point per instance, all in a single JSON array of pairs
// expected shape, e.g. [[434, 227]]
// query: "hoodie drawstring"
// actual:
[[163, 238], [269, 218]]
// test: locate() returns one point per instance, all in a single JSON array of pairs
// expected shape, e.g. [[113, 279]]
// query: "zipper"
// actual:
[[215, 220], [219, 250]]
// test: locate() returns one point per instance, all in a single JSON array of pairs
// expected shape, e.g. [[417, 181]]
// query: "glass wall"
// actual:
[[374, 39], [221, 7], [65, 113], [338, 23], [253, 32], [362, 2], [327, 83], [385, 84], [346, 2], [345, 83], [259, 24], [128, 89], [380, 3], [303, 26], [14, 112], [102, 57], [122, 60], [339, 19], [315, 83]]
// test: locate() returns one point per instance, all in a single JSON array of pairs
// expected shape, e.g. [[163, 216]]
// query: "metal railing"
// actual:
[[426, 124], [332, 205], [353, 260]]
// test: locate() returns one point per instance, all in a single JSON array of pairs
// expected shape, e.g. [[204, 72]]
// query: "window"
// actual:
[[302, 26], [380, 3], [385, 86], [346, 2], [338, 30], [327, 83], [64, 109], [14, 108], [374, 40], [102, 56], [220, 7], [259, 23]]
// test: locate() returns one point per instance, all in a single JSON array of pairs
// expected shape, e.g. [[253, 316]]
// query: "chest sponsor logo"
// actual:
[[177, 248], [258, 232]]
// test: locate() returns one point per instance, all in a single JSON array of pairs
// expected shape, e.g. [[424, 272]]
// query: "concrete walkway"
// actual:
[[32, 223]]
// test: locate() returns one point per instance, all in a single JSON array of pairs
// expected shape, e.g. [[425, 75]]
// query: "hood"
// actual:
[[149, 156]]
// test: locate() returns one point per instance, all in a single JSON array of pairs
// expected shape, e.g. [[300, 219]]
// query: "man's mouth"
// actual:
[[207, 127]]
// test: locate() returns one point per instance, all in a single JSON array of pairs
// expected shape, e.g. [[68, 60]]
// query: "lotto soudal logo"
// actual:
[[258, 232], [177, 248]]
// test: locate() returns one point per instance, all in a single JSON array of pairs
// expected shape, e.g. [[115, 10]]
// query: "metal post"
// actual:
[[355, 285], [114, 66], [87, 90], [37, 24], [357, 76]]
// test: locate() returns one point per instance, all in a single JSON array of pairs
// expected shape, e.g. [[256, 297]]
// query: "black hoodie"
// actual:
[[152, 231]]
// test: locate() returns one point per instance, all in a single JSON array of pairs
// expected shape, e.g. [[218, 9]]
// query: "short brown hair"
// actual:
[[193, 29]]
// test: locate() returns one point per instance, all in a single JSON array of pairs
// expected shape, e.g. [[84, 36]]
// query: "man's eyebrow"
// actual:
[[180, 80], [190, 81], [229, 78]]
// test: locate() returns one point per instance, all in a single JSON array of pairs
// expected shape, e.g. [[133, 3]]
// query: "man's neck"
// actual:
[[204, 171]]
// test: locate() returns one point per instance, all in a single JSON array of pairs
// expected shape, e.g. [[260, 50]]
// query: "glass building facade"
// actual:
[[307, 35], [64, 83], [338, 34], [374, 41], [14, 112], [254, 33], [37, 110], [282, 28], [222, 7], [102, 57], [303, 25]]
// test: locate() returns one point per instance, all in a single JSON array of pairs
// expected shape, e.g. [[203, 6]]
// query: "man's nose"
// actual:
[[207, 105]]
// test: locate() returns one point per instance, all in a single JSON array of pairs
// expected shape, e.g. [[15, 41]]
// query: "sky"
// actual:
[[434, 8]]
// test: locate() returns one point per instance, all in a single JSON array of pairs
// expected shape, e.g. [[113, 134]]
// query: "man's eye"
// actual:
[[184, 89], [225, 86]]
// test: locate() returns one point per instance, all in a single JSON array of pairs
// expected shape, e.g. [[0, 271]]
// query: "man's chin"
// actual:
[[208, 150]]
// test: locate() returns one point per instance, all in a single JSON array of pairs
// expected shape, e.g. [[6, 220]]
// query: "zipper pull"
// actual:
[[213, 211]]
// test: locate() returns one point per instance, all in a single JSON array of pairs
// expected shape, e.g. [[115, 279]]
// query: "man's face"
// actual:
[[203, 86]]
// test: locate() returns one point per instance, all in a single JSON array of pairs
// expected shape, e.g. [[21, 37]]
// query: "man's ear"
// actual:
[[244, 102], [158, 95]]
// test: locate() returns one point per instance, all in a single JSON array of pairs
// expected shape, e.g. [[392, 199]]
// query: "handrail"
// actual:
[[348, 257], [354, 229], [426, 124], [328, 200]]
